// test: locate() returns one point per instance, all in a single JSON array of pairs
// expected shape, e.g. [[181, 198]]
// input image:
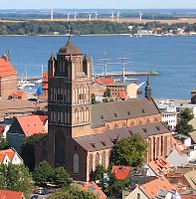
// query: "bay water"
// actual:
[[174, 58]]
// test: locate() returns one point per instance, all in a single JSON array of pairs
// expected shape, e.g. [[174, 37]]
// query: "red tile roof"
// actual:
[[2, 128], [5, 194], [152, 188], [160, 166], [6, 69], [10, 153], [93, 187], [17, 95], [104, 80], [121, 172], [31, 125]]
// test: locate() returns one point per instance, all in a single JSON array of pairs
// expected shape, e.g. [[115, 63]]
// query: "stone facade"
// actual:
[[81, 135]]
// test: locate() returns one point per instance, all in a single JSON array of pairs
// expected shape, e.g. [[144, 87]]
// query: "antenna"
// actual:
[[89, 16], [123, 66], [51, 15], [8, 53], [140, 15], [112, 17]]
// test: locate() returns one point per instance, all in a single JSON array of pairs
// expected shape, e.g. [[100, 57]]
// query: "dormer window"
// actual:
[[115, 115], [92, 144]]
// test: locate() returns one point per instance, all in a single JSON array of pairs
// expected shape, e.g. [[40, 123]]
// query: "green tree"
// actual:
[[61, 177], [93, 100], [98, 174], [73, 192], [3, 143], [130, 151], [28, 151], [16, 178], [183, 126], [107, 93], [42, 173]]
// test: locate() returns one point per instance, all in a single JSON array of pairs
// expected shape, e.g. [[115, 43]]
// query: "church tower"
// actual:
[[69, 99]]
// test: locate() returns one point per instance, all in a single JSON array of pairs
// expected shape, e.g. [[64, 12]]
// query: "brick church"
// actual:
[[81, 135]]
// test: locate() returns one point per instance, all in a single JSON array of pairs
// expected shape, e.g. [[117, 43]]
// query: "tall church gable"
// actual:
[[114, 111], [95, 142]]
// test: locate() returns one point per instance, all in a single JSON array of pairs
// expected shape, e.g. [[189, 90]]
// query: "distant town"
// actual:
[[85, 136]]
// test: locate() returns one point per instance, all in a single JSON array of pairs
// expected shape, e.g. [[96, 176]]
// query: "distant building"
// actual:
[[193, 96], [8, 78], [18, 95], [127, 88]]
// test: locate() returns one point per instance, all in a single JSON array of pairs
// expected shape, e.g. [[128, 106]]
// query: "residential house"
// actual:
[[157, 188], [10, 155], [18, 95], [158, 167], [22, 127], [92, 186], [5, 194]]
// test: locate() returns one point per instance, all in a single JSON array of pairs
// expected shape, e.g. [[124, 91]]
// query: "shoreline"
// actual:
[[98, 35]]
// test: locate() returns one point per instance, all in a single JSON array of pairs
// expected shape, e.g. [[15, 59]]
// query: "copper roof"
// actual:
[[70, 49]]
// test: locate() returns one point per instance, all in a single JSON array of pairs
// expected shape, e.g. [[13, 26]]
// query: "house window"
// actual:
[[138, 196]]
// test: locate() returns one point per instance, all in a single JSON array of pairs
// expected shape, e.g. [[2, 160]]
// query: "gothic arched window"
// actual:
[[76, 168]]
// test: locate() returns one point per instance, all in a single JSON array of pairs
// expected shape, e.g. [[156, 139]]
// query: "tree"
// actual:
[[130, 151], [28, 151], [93, 100], [3, 143], [61, 177], [42, 173], [73, 192], [16, 178], [98, 174], [183, 126], [107, 93]]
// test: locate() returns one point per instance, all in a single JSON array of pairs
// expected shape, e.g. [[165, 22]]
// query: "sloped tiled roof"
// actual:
[[5, 194], [104, 80], [91, 186], [31, 124], [121, 172], [154, 187], [191, 178], [10, 153], [94, 142], [160, 166], [105, 140], [112, 111], [6, 69]]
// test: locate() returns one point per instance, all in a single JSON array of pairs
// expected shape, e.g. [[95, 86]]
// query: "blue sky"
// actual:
[[80, 4]]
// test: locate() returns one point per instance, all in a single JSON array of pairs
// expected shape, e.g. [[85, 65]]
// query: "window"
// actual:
[[76, 163], [138, 196]]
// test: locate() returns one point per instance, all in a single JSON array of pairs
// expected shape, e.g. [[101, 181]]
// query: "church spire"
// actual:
[[148, 88]]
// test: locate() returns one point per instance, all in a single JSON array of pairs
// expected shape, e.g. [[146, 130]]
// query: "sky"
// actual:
[[95, 4]]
